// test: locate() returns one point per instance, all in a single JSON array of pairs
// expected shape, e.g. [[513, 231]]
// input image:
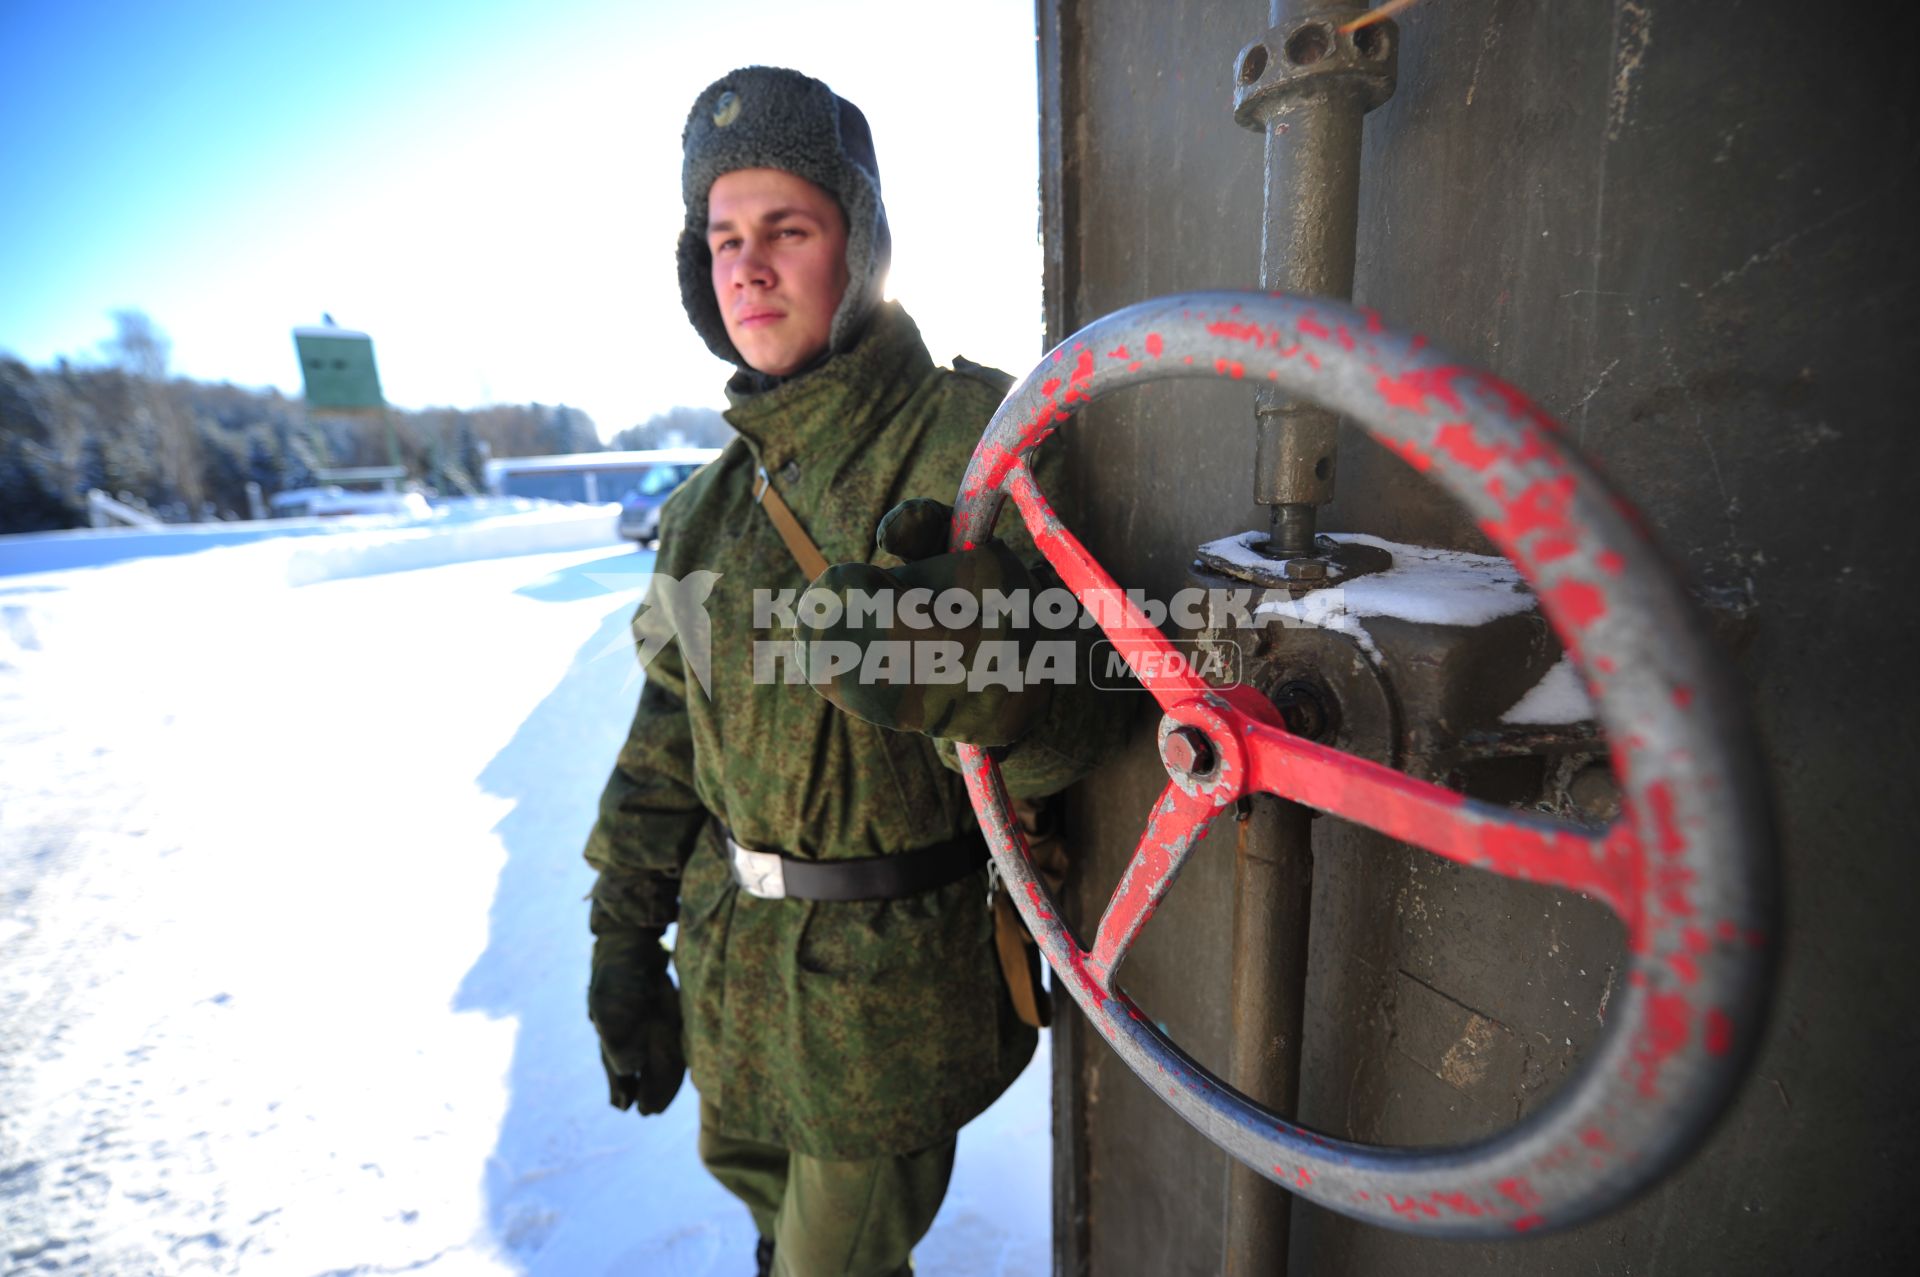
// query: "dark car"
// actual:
[[646, 492]]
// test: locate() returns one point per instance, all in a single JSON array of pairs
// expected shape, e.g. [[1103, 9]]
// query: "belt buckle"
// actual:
[[759, 873]]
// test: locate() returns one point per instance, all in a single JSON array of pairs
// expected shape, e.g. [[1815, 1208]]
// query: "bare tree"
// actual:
[[139, 349]]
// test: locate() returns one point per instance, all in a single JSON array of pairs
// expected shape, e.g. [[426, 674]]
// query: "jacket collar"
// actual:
[[840, 402]]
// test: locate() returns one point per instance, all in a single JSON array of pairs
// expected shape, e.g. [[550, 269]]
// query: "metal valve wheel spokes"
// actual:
[[1688, 867]]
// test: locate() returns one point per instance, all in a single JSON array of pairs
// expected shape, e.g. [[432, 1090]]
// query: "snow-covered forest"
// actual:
[[186, 450]]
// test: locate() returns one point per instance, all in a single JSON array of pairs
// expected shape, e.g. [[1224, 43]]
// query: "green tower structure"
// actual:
[[340, 377], [338, 368]]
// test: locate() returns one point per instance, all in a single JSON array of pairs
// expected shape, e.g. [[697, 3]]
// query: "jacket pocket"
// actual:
[[896, 1015]]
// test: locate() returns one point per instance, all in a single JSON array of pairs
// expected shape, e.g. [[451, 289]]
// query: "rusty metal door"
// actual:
[[1683, 232]]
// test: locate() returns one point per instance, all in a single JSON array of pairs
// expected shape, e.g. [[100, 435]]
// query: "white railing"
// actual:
[[105, 512]]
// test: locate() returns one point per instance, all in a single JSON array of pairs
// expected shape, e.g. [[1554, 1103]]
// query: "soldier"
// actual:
[[844, 1011]]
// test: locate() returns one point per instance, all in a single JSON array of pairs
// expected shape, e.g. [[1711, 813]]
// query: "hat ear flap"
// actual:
[[695, 264]]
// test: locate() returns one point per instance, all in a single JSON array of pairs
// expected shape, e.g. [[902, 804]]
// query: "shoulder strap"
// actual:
[[799, 544], [1000, 382]]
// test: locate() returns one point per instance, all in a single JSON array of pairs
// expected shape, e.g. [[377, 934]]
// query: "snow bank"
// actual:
[[473, 527], [293, 937], [1559, 697], [545, 531], [1435, 587]]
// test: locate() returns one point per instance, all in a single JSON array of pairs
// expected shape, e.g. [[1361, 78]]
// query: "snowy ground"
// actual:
[[292, 940]]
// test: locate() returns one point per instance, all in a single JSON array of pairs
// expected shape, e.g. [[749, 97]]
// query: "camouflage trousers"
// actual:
[[831, 1218]]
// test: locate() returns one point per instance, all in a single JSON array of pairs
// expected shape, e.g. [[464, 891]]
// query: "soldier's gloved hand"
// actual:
[[636, 1011], [927, 679]]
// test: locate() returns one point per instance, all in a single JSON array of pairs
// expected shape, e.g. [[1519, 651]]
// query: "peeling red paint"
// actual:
[[991, 463], [1527, 1223], [1077, 380], [1518, 406], [1457, 440], [1611, 563], [1594, 1137], [1155, 345], [1684, 967], [1077, 964], [1541, 506], [1459, 1203], [1660, 799], [1719, 1032], [1050, 387], [1230, 368], [1519, 1190], [1549, 549], [1672, 883], [1411, 390], [1120, 352], [1314, 328], [1682, 696], [1249, 332], [1409, 451], [1578, 603], [1039, 900], [1141, 644], [1668, 1028], [1443, 821], [1565, 859], [1411, 1206]]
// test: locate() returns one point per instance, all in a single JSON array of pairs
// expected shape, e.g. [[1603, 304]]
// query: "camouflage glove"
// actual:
[[913, 696], [636, 1010]]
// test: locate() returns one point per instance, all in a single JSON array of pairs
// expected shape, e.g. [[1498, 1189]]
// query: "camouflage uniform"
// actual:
[[840, 1030]]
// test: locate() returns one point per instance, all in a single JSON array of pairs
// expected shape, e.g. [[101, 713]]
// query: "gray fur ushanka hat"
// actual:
[[770, 117]]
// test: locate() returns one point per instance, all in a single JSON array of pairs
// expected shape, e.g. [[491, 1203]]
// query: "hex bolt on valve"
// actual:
[[1687, 866], [1187, 752]]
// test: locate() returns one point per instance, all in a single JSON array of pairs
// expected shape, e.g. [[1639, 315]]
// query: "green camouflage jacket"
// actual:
[[843, 1030]]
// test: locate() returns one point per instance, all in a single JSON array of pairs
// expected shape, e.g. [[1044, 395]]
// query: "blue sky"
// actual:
[[490, 188]]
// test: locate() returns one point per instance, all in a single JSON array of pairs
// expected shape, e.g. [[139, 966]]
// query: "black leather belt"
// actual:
[[773, 875]]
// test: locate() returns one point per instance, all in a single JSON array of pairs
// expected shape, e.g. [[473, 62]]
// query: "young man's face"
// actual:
[[779, 247]]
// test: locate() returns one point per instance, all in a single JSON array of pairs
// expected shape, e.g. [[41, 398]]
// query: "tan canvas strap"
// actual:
[[799, 544], [1017, 963]]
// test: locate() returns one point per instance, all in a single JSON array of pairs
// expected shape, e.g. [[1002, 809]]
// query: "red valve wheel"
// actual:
[[1688, 866]]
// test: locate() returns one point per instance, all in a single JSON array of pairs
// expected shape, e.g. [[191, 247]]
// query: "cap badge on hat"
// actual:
[[727, 109]]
